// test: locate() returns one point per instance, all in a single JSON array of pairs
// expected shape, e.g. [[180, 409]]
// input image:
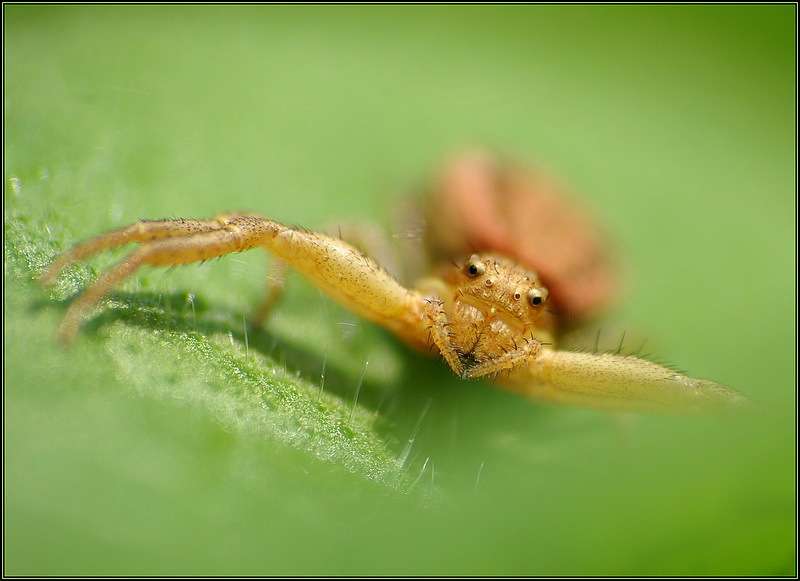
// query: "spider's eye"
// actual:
[[475, 268], [537, 296]]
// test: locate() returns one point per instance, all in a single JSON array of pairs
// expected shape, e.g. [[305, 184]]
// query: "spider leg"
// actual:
[[163, 244], [619, 383], [276, 283], [516, 358], [436, 322], [141, 231], [337, 268]]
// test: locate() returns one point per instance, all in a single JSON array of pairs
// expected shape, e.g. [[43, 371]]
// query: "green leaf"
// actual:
[[174, 438]]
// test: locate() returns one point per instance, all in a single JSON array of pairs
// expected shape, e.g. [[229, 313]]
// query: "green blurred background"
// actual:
[[171, 439]]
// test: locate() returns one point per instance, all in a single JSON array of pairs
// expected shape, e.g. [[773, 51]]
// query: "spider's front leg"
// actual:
[[509, 361], [162, 243], [435, 321], [336, 267], [617, 382], [353, 279]]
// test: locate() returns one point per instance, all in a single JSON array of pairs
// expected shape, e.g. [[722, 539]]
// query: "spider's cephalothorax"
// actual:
[[494, 308]]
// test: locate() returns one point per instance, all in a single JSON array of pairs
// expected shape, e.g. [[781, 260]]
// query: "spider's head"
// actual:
[[494, 283]]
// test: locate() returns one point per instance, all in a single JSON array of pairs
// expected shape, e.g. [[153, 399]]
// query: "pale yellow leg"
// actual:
[[276, 282], [518, 358], [436, 321], [141, 231], [619, 383], [182, 249], [333, 265]]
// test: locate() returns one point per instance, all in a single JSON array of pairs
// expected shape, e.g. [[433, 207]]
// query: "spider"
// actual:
[[487, 316]]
